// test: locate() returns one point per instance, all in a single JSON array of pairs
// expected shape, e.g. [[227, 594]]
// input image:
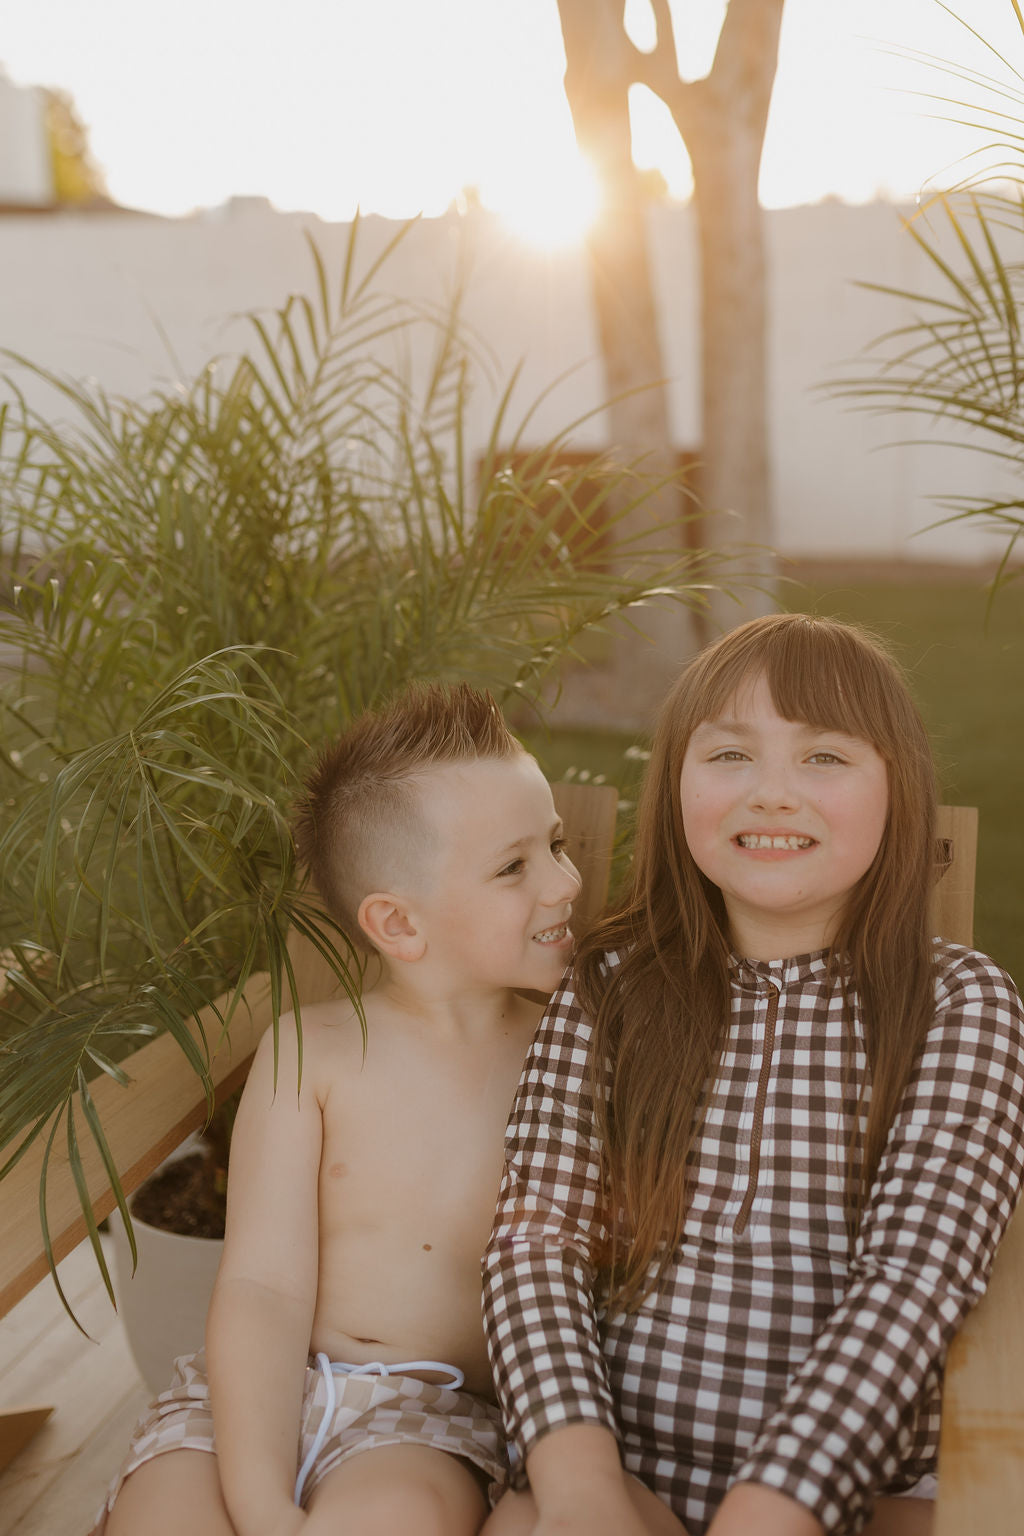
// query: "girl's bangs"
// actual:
[[817, 673]]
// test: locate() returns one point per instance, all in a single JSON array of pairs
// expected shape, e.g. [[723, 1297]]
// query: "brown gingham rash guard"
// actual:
[[768, 1353]]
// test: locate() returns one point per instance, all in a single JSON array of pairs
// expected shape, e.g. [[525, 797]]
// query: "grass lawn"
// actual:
[[967, 673]]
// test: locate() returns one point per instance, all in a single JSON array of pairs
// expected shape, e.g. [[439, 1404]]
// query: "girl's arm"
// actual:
[[542, 1332], [261, 1314], [946, 1187]]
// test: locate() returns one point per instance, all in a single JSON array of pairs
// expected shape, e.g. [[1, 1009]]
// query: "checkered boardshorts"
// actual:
[[370, 1410]]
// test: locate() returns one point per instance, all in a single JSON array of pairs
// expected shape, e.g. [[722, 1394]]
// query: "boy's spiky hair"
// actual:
[[359, 814]]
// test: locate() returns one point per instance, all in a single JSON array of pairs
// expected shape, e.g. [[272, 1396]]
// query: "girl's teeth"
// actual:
[[759, 840], [550, 935]]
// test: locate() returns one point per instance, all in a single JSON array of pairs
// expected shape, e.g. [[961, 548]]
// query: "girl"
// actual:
[[769, 1135]]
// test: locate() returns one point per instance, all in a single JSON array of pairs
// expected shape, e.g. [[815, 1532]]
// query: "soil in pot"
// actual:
[[186, 1196]]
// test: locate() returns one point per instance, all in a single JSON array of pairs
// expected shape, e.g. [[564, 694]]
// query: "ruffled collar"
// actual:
[[794, 971]]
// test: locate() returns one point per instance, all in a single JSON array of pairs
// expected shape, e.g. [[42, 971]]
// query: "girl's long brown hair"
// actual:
[[662, 1014]]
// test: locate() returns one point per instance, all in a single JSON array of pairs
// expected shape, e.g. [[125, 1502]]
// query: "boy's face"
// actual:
[[495, 901]]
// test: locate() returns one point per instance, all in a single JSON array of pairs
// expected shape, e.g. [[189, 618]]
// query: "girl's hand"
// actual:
[[581, 1490], [289, 1523], [516, 1515], [596, 1522], [638, 1512], [277, 1518], [751, 1507]]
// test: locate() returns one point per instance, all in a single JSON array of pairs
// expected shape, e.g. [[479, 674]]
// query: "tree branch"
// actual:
[[659, 69], [750, 34], [662, 63]]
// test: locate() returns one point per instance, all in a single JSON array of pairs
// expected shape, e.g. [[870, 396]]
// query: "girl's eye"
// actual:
[[559, 847], [515, 868], [731, 755], [826, 757]]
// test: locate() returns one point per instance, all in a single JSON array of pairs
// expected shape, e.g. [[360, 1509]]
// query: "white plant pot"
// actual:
[[163, 1305]]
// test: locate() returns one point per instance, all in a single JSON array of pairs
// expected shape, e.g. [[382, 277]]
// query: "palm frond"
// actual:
[[958, 361]]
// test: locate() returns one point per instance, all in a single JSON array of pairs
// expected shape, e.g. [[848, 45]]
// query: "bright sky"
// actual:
[[396, 105]]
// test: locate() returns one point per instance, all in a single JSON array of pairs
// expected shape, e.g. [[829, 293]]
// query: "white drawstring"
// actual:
[[331, 1368]]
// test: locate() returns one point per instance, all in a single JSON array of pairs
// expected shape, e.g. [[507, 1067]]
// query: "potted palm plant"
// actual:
[[202, 585]]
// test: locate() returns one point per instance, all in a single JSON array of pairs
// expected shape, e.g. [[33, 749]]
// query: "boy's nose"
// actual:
[[566, 884]]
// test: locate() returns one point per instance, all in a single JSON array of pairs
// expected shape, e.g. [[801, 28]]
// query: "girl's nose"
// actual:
[[773, 789]]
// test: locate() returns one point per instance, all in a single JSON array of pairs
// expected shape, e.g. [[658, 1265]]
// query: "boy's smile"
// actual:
[[784, 818]]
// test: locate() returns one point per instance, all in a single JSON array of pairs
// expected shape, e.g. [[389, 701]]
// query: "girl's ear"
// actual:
[[389, 926]]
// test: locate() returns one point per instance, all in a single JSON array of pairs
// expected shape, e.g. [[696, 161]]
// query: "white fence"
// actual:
[[133, 300]]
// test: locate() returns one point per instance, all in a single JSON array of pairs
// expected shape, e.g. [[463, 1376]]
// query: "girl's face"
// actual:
[[784, 818]]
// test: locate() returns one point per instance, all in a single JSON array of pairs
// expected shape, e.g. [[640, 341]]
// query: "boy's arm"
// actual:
[[261, 1314]]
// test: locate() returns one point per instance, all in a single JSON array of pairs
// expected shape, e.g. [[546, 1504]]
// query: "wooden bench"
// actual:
[[981, 1464]]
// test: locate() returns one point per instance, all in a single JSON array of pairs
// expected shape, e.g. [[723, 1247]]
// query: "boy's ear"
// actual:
[[387, 923]]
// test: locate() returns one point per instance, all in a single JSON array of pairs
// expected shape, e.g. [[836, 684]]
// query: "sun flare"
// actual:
[[550, 212]]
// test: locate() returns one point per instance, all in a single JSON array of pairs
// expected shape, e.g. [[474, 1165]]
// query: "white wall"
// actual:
[[26, 175], [134, 300]]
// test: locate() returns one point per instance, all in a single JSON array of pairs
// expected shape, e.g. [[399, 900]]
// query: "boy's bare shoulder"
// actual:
[[326, 1032]]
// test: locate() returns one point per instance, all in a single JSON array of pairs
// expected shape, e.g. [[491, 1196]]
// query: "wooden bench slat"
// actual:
[[589, 812], [953, 898], [144, 1122], [981, 1453], [17, 1427]]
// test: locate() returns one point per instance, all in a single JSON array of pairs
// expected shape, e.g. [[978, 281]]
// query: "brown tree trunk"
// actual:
[[722, 121], [597, 86]]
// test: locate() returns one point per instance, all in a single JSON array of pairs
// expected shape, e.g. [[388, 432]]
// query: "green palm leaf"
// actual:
[[958, 362]]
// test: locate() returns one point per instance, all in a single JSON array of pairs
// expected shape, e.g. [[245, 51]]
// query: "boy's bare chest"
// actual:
[[416, 1137]]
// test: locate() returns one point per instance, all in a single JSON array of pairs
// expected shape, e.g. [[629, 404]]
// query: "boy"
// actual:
[[359, 1205]]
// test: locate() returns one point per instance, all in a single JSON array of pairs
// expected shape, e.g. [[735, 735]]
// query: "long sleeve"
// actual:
[[946, 1187], [539, 1266], [766, 1352]]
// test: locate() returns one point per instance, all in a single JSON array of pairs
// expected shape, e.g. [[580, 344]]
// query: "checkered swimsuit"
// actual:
[[767, 1353]]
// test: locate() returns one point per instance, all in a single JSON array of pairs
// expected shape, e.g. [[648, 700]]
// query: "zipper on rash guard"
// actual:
[[743, 1215]]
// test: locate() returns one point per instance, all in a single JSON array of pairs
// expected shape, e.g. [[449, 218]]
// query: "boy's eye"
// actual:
[[516, 867], [559, 846]]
